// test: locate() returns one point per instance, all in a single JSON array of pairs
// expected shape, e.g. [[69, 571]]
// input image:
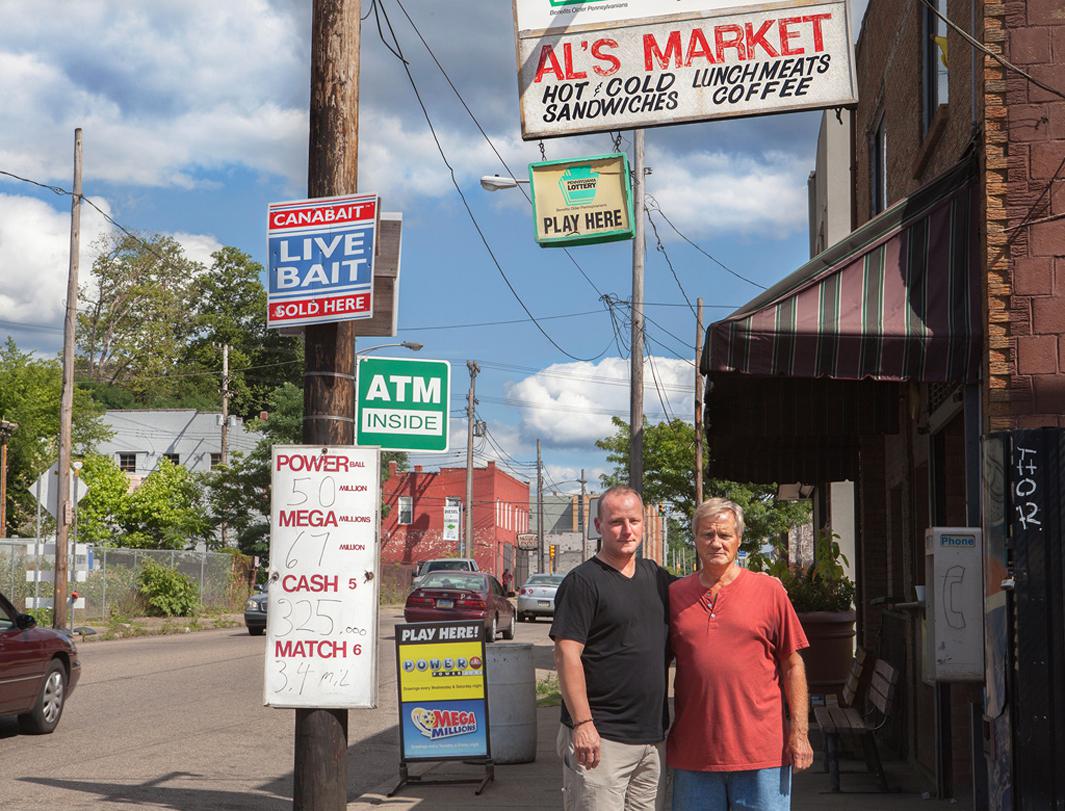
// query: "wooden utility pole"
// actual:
[[698, 403], [540, 507], [584, 517], [636, 338], [66, 406], [320, 773], [471, 418]]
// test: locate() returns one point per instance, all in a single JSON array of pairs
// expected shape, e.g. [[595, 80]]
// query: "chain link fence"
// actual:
[[107, 577]]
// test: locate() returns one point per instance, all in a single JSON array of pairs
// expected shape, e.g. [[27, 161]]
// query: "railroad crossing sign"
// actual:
[[403, 404]]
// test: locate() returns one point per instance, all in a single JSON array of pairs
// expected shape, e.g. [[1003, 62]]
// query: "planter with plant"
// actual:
[[823, 596]]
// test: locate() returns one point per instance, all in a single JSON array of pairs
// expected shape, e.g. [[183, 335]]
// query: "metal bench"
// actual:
[[835, 722]]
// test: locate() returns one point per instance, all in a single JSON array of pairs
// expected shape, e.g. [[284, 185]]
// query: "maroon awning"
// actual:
[[897, 300]]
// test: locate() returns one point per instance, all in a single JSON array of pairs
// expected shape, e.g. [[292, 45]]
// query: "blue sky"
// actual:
[[194, 118]]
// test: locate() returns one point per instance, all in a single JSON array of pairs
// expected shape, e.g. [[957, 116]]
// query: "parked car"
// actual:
[[39, 669], [456, 595], [442, 565], [255, 613], [537, 597]]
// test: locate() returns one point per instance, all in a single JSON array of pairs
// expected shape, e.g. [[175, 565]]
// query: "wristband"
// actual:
[[579, 723]]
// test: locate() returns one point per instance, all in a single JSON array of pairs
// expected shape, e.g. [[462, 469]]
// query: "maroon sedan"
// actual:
[[443, 596], [39, 669]]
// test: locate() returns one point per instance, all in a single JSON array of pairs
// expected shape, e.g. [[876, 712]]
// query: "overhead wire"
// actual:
[[665, 255], [466, 204]]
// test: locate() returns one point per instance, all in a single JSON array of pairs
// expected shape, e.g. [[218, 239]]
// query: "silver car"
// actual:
[[537, 597]]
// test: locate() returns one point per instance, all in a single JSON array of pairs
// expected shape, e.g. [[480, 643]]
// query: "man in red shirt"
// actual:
[[736, 640]]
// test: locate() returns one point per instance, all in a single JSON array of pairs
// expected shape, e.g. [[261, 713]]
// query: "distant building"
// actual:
[[187, 437], [413, 528]]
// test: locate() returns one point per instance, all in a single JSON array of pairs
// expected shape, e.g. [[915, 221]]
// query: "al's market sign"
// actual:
[[582, 201], [620, 65]]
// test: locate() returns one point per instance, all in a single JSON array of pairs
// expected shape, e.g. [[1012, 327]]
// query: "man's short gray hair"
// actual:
[[713, 506], [616, 490]]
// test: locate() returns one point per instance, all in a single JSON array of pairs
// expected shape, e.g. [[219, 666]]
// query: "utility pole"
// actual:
[[6, 430], [66, 406], [320, 773], [224, 455], [584, 518], [540, 506], [698, 403], [636, 354], [471, 401]]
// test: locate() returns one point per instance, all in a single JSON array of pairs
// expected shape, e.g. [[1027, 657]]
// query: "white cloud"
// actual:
[[35, 257], [714, 192], [571, 404], [565, 478], [198, 247]]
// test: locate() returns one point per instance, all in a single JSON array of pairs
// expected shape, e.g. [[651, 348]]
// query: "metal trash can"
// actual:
[[512, 703]]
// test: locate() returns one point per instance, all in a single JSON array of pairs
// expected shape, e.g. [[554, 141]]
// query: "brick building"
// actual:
[[413, 528], [891, 356]]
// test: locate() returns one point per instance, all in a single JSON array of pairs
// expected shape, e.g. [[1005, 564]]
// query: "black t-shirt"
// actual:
[[624, 625]]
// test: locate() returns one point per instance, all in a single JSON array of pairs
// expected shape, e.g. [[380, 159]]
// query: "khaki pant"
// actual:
[[627, 777]]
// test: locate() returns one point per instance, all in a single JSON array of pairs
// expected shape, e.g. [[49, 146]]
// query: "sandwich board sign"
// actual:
[[596, 65], [582, 201], [321, 260], [403, 404]]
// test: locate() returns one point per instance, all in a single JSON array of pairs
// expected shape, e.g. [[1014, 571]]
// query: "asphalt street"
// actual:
[[177, 722]]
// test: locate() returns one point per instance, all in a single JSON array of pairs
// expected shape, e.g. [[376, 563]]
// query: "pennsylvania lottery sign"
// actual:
[[321, 255], [597, 65]]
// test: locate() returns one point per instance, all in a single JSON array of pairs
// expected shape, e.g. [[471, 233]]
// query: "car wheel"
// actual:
[[520, 616], [256, 631], [44, 716], [490, 630], [508, 632]]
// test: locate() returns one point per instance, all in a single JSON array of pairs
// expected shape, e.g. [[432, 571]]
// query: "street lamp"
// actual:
[[413, 346], [495, 182]]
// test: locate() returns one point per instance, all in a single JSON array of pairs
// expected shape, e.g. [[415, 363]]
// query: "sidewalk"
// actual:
[[537, 785]]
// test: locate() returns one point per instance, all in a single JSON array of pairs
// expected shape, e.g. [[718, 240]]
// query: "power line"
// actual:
[[481, 129], [669, 262], [466, 204], [656, 206]]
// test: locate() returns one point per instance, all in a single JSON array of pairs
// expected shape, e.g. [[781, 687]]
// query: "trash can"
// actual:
[[512, 703]]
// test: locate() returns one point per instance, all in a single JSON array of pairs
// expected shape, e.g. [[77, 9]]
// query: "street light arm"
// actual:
[[496, 183]]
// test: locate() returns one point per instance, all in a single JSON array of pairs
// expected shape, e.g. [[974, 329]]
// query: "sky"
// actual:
[[194, 117]]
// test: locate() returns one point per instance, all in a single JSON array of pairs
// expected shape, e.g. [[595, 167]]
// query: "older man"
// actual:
[[610, 632], [736, 640]]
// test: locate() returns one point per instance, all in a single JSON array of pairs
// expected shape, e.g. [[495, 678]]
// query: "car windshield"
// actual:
[[448, 566], [447, 580], [544, 580]]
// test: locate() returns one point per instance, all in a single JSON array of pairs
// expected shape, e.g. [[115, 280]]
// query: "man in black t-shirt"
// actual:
[[611, 636]]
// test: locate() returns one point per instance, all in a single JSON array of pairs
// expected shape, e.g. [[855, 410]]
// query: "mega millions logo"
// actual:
[[578, 185], [435, 724]]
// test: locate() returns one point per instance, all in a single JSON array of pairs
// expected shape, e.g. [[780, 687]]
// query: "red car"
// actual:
[[442, 596], [39, 669]]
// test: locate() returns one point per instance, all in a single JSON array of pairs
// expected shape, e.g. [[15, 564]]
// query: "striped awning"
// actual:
[[897, 300]]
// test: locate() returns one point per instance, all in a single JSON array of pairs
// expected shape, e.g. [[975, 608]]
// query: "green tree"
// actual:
[[668, 459], [133, 322], [167, 511], [29, 395], [102, 511]]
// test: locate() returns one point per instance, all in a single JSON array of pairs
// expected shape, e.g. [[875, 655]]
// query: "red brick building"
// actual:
[[413, 528], [891, 358]]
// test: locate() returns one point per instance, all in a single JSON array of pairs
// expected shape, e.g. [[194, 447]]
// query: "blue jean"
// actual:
[[758, 790]]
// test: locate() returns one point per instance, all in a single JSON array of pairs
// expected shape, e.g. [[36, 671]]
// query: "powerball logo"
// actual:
[[435, 724]]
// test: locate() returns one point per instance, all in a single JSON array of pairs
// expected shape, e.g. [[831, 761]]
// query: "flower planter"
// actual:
[[828, 659]]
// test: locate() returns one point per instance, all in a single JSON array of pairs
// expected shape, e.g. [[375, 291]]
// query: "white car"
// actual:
[[442, 565], [537, 597]]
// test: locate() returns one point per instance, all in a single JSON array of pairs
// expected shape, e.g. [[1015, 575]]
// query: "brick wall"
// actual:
[[888, 58], [1025, 155]]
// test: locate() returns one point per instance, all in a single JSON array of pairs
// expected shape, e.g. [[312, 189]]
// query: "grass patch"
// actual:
[[548, 692]]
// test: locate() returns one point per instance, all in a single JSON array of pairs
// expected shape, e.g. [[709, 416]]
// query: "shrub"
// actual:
[[167, 592]]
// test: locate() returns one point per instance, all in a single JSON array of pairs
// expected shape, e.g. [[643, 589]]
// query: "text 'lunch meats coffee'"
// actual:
[[655, 71]]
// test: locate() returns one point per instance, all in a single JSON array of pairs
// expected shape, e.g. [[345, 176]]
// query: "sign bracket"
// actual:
[[405, 777]]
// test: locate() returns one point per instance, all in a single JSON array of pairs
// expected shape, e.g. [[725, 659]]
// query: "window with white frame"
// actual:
[[406, 510], [127, 462]]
